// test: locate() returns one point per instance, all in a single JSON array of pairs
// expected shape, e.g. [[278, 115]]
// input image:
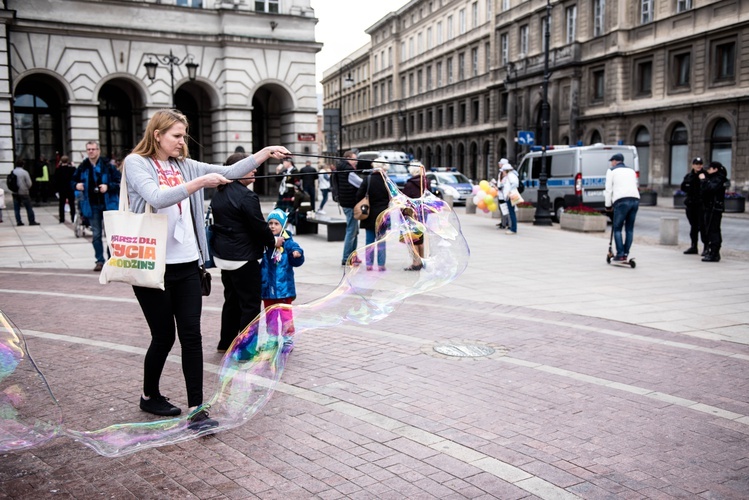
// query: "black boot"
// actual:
[[691, 251], [711, 257]]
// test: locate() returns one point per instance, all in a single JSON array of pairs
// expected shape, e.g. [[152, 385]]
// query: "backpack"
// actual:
[[521, 186], [12, 182]]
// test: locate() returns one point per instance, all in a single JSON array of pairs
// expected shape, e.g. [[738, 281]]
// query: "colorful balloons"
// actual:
[[484, 196]]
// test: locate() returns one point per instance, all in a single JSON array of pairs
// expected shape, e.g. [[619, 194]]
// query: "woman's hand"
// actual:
[[277, 152], [214, 180]]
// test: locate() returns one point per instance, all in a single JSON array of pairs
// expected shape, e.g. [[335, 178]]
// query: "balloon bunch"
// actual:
[[485, 196]]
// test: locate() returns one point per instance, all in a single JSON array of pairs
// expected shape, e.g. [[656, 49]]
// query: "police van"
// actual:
[[397, 171], [575, 173]]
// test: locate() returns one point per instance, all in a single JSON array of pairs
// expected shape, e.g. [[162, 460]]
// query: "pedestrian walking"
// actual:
[[21, 194], [323, 181], [160, 173], [309, 182], [345, 183], [509, 182], [99, 185]]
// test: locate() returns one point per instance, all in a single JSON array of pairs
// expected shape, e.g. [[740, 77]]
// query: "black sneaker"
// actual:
[[34, 224], [200, 421], [159, 405], [691, 251]]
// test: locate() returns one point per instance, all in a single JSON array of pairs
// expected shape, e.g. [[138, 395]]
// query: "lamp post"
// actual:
[[170, 60], [543, 214], [512, 69], [343, 82]]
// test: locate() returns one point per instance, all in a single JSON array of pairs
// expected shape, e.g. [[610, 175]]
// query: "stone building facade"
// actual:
[[453, 81], [74, 71]]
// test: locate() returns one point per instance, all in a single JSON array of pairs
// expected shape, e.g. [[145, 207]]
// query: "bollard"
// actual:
[[470, 205], [669, 231]]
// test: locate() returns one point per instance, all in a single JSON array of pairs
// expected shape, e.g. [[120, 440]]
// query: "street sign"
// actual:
[[526, 138]]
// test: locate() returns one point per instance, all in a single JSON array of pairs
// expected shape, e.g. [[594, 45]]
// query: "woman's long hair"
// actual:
[[162, 121]]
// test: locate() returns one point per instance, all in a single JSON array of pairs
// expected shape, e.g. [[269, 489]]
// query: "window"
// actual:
[[411, 47], [376, 68], [598, 90], [474, 61], [523, 42], [487, 57], [382, 93], [475, 110], [439, 117], [390, 127], [599, 7], [419, 80], [462, 21], [429, 119], [646, 11], [642, 143], [489, 9], [439, 74], [449, 70], [374, 91], [429, 38], [390, 90], [720, 144], [505, 5], [503, 105], [411, 84], [461, 66], [390, 57], [679, 145], [474, 14], [403, 86], [571, 17], [450, 116], [419, 44], [198, 4], [37, 120], [644, 78], [270, 6], [449, 27], [439, 33], [421, 122], [429, 77], [403, 51], [725, 61], [683, 5], [681, 68], [504, 49], [487, 107], [462, 113]]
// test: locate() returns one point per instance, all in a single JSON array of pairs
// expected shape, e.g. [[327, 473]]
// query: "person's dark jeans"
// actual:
[[713, 236], [311, 192], [70, 198], [324, 197], [180, 301], [371, 237], [97, 221], [25, 200], [696, 224], [513, 217], [242, 301], [625, 212], [352, 234]]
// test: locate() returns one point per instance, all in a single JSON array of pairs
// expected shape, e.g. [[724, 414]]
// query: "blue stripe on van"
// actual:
[[588, 182]]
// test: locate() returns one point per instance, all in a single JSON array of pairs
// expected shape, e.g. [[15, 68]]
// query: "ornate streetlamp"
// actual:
[[170, 60], [543, 214]]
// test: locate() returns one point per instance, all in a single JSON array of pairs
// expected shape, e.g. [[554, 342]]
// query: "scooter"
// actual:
[[610, 256]]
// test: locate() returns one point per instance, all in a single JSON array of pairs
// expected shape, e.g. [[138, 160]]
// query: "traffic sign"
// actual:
[[526, 138]]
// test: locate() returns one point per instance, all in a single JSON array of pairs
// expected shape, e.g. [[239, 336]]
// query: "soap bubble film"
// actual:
[[255, 361]]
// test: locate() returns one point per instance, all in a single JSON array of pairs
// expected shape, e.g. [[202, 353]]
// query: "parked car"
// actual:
[[398, 169], [452, 184]]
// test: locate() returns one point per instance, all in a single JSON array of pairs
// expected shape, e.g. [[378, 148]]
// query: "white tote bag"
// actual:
[[137, 244]]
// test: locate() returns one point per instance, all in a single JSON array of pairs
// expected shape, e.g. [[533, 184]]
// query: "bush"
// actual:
[[582, 210], [525, 204]]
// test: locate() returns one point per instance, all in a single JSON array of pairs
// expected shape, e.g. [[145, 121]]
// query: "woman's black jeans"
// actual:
[[181, 303]]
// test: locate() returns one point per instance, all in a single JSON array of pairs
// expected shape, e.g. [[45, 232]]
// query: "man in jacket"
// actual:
[[240, 236], [713, 186], [693, 202], [22, 196], [308, 182], [99, 184], [344, 192], [622, 191]]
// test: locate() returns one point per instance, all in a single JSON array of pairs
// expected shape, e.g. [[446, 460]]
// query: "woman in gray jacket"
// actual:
[[160, 173]]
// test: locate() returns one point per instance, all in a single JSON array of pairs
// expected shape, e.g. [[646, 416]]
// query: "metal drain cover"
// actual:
[[464, 351]]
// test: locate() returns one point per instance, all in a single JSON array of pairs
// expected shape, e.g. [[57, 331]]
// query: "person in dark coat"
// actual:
[[693, 202], [344, 192], [713, 188], [376, 188], [63, 176], [240, 236], [309, 179], [415, 187]]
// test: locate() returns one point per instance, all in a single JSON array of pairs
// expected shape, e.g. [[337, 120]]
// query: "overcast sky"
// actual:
[[340, 27]]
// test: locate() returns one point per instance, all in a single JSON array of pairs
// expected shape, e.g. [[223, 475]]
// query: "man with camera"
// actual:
[[99, 184]]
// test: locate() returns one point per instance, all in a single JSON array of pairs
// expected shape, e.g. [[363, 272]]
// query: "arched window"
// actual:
[[428, 159], [642, 143], [37, 120], [721, 144], [679, 144], [595, 137], [487, 160], [438, 156], [449, 160], [115, 122], [461, 158]]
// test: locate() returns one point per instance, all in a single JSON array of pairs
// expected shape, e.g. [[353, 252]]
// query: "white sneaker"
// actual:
[[321, 211], [510, 232]]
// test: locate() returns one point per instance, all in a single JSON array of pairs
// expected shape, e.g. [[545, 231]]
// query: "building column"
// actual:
[[7, 147], [83, 126]]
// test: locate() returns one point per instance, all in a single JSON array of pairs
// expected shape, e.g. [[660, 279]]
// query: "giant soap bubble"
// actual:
[[251, 367]]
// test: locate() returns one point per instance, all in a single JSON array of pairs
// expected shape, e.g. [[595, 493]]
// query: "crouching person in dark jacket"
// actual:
[[240, 236]]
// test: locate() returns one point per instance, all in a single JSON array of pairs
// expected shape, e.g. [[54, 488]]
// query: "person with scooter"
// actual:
[[622, 195]]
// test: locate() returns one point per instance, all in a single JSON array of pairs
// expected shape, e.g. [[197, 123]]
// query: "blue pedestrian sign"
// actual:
[[526, 138]]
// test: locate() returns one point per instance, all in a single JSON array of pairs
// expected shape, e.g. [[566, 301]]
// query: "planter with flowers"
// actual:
[[735, 203], [584, 219], [679, 197], [525, 211], [648, 197]]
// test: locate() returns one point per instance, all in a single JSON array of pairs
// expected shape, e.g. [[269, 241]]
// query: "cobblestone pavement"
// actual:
[[603, 382]]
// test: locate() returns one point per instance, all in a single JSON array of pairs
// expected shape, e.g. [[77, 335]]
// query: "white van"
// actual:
[[398, 171], [573, 171]]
